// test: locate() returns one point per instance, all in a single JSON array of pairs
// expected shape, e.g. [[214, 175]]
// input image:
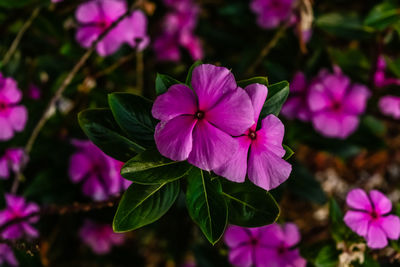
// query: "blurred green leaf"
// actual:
[[289, 152], [163, 82], [383, 15], [277, 95], [21, 3], [189, 75], [327, 257], [260, 80]]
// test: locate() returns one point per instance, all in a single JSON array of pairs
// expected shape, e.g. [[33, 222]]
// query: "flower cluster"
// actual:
[[12, 160], [271, 245], [96, 16], [178, 31], [214, 125], [330, 101], [98, 173]]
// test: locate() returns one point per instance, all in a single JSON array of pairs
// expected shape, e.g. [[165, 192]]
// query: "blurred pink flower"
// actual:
[[16, 207], [7, 256], [390, 106], [336, 104], [34, 92], [198, 124], [13, 117], [296, 106], [97, 15], [380, 77], [370, 218], [260, 151], [13, 159], [266, 246], [98, 173], [99, 237], [271, 13]]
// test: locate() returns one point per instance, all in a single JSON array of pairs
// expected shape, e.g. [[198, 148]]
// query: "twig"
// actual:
[[19, 36], [117, 64]]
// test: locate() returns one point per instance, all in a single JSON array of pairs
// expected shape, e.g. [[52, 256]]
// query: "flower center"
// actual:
[[3, 106], [199, 115], [252, 134], [254, 242], [336, 106], [281, 249], [374, 215]]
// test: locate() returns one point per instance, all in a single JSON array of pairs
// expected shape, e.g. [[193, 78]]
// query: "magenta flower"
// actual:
[[12, 160], [198, 124], [267, 246], [260, 151], [271, 13], [7, 256], [98, 173], [390, 106], [296, 106], [380, 76], [99, 237], [18, 208], [97, 15], [370, 218], [336, 104], [34, 92], [13, 117]]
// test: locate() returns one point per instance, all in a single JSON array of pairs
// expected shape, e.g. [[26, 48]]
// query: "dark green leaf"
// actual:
[[150, 167], [103, 131], [206, 204], [260, 80], [289, 152], [144, 204], [163, 82], [21, 3], [383, 15], [133, 115], [189, 75], [327, 257], [249, 205], [277, 95]]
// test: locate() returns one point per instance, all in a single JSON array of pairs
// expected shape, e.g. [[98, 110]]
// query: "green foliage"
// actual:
[[383, 15], [327, 257], [189, 75], [277, 95], [163, 82], [260, 80], [289, 152]]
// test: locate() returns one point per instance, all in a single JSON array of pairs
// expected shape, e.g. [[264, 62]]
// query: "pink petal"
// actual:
[[270, 136], [333, 124], [4, 172], [381, 203], [357, 221], [134, 30], [15, 202], [113, 9], [356, 100], [10, 92], [18, 117], [299, 82], [241, 256], [100, 246], [292, 234], [174, 137], [293, 258], [291, 107], [349, 125], [336, 85], [265, 257], [88, 12], [258, 94], [236, 168], [358, 199], [390, 106], [210, 83], [6, 131], [86, 35], [79, 166], [271, 235], [178, 100], [317, 98], [235, 235], [233, 113], [376, 237], [391, 226], [110, 44], [94, 189], [211, 146], [29, 230]]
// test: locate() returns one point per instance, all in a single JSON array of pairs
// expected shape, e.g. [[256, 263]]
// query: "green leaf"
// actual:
[[277, 95], [144, 204], [104, 132], [260, 80], [163, 82], [21, 3], [150, 167], [327, 257], [189, 75], [339, 229], [133, 115], [206, 204], [289, 152], [383, 15], [249, 205]]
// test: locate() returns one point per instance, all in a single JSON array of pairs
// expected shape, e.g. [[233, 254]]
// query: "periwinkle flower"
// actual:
[[34, 92], [12, 160], [260, 150], [13, 116], [7, 256], [198, 124], [96, 16], [271, 13], [17, 208], [98, 173], [267, 246], [99, 237], [390, 106], [370, 217], [336, 104]]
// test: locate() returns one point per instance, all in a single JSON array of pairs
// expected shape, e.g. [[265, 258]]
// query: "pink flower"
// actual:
[[198, 124], [99, 237], [97, 15], [17, 208], [370, 218], [336, 104], [271, 13], [267, 246], [34, 92], [260, 151], [7, 256], [98, 173], [13, 159], [380, 77], [296, 106], [13, 117], [390, 106]]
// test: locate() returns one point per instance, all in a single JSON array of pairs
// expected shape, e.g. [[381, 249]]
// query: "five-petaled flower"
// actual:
[[369, 217]]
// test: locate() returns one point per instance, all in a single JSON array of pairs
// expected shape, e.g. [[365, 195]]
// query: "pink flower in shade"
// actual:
[[12, 160], [7, 256], [198, 124], [13, 117], [260, 151], [296, 106], [18, 208], [98, 173], [390, 106], [271, 13], [97, 15], [267, 246], [99, 237], [370, 218], [336, 104], [34, 92], [380, 77]]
